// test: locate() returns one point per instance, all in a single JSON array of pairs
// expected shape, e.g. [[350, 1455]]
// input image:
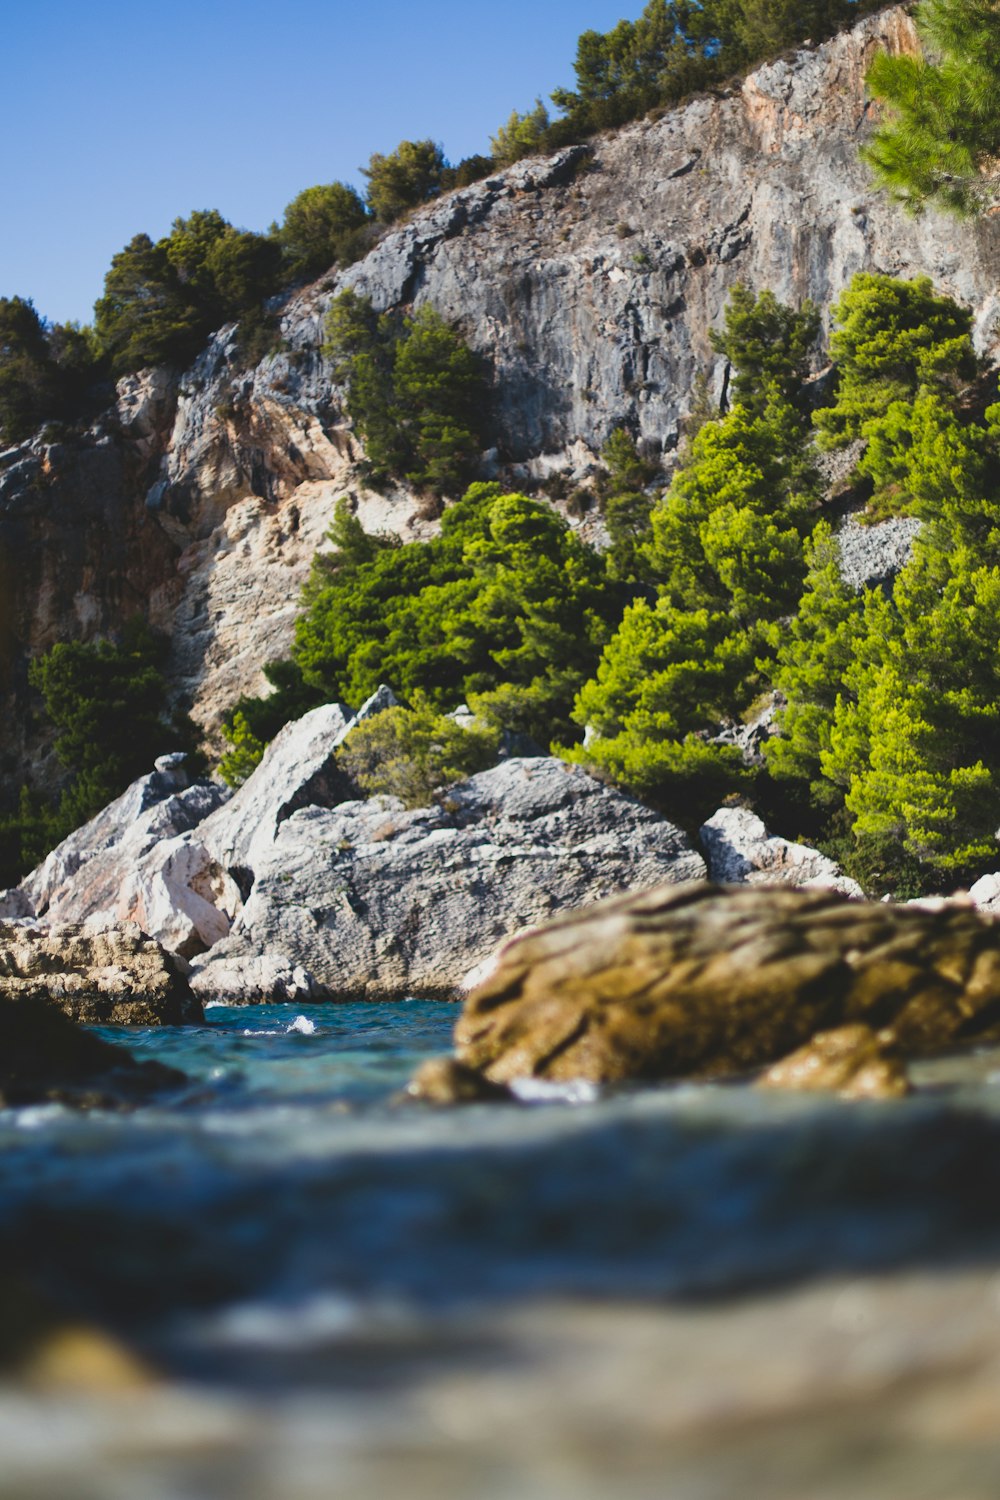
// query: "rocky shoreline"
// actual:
[[624, 954]]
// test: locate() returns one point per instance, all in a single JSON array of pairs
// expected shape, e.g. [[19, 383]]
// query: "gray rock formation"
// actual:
[[376, 902], [871, 556], [697, 980], [740, 851], [118, 976], [96, 873], [985, 894], [750, 738]]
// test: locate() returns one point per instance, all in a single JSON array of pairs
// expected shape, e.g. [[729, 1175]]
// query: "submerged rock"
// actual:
[[740, 850], [116, 977], [853, 1061], [699, 980], [377, 902], [443, 1080], [45, 1057]]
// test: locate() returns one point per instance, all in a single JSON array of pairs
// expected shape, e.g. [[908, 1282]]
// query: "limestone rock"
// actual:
[[240, 978], [750, 738], [14, 904], [159, 803], [111, 977], [699, 980], [740, 851], [871, 556], [985, 894], [378, 902], [852, 1061], [126, 865], [299, 769]]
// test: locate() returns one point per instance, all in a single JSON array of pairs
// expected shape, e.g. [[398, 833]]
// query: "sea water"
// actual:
[[338, 1291]]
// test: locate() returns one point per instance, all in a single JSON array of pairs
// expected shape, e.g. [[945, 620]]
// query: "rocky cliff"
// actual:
[[590, 280]]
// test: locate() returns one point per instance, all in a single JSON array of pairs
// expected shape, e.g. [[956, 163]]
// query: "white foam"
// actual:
[[303, 1026], [543, 1091]]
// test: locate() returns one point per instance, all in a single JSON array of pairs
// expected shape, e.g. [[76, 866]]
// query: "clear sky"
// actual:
[[117, 117]]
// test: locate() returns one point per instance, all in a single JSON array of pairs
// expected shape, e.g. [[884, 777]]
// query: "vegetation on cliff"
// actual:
[[162, 298], [940, 141], [416, 393]]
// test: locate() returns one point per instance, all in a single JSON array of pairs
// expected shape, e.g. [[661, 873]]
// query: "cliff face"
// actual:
[[589, 279]]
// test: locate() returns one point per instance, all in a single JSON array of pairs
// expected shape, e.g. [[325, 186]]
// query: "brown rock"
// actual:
[[117, 977], [853, 1061], [695, 980], [442, 1080]]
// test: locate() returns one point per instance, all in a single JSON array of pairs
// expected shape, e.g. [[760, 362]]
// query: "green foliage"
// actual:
[[415, 392], [892, 340], [322, 226], [523, 135], [919, 457], [626, 470], [411, 753], [915, 742], [404, 179], [47, 373], [726, 555], [27, 386], [107, 703], [262, 717], [471, 169], [813, 662], [506, 595], [677, 47], [941, 137], [769, 345], [247, 752], [161, 301]]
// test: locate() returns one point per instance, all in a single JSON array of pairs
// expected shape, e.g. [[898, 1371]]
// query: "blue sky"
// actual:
[[117, 117]]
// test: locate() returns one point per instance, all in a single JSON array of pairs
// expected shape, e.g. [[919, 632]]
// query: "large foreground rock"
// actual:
[[700, 980], [115, 977], [377, 902]]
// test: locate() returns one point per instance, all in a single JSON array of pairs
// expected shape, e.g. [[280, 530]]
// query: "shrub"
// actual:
[[412, 752]]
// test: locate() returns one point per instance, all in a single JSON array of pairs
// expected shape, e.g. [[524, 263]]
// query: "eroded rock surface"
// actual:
[[740, 850], [377, 902], [700, 980], [114, 977]]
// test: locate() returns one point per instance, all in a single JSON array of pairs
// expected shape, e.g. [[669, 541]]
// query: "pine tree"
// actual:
[[941, 139]]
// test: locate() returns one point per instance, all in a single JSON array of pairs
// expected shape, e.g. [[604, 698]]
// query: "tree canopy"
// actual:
[[403, 179]]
